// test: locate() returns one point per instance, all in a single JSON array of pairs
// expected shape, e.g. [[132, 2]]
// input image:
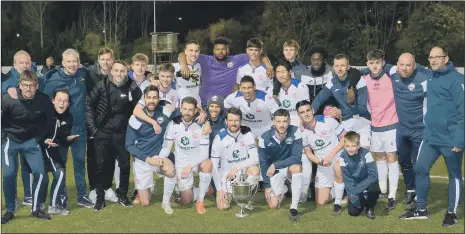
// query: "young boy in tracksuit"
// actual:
[[60, 134], [360, 176]]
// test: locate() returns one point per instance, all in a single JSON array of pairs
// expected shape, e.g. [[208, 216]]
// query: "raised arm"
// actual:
[[322, 96]]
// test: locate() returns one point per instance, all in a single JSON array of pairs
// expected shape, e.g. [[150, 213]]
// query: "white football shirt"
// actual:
[[297, 92], [191, 86], [257, 115], [324, 137], [262, 82], [240, 151], [191, 147]]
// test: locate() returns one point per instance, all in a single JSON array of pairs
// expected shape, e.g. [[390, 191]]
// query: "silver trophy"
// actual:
[[242, 193]]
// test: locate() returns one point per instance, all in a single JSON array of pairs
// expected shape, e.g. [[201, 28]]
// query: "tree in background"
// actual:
[[434, 24], [33, 17], [305, 22], [231, 29]]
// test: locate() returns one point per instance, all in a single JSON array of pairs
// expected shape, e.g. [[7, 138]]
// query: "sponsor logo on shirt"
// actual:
[[185, 140], [286, 103], [123, 95], [235, 154], [249, 116], [319, 142]]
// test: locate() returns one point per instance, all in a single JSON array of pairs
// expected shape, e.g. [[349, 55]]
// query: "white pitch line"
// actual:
[[441, 177]]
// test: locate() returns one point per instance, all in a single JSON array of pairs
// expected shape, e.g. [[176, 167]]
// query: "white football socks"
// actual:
[[306, 174], [339, 192], [296, 187], [393, 178], [382, 175], [168, 187], [116, 174], [205, 179]]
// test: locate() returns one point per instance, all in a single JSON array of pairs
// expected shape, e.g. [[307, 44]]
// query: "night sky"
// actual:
[[194, 14]]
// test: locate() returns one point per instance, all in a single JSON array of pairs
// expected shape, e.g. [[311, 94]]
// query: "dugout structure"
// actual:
[[164, 47]]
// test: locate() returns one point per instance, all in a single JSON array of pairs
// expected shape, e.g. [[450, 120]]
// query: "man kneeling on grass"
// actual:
[[234, 151], [145, 145], [360, 176]]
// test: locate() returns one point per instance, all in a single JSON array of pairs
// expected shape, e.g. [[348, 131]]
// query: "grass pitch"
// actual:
[[115, 218]]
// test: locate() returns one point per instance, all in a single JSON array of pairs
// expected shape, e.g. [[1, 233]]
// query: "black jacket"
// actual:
[[24, 119], [62, 128], [59, 133], [95, 73], [46, 69], [108, 107]]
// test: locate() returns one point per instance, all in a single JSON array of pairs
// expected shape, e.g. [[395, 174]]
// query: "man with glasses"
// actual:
[[26, 120], [21, 62], [443, 135]]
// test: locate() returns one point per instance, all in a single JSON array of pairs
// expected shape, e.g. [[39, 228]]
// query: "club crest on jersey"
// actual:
[[319, 142], [289, 140], [258, 109], [185, 140], [249, 116], [294, 95], [260, 77], [195, 135], [230, 65], [411, 86], [81, 80], [286, 103], [235, 154], [242, 143], [160, 120]]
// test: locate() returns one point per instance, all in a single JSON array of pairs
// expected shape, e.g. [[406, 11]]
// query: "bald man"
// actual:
[[409, 83], [443, 135]]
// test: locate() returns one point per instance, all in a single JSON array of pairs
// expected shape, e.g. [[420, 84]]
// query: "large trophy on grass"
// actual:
[[242, 194]]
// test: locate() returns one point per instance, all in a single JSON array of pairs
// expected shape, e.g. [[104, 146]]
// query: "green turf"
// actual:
[[115, 218]]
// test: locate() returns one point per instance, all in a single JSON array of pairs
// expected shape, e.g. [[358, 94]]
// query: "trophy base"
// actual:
[[241, 213]]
